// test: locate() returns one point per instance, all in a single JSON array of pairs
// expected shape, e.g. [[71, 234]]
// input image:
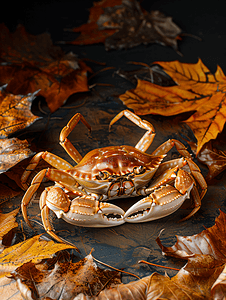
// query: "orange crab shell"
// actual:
[[115, 160]]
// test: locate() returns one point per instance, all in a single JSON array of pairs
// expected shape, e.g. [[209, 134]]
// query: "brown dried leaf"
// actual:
[[66, 280], [124, 24], [12, 151], [15, 112], [31, 63], [209, 242], [197, 277]]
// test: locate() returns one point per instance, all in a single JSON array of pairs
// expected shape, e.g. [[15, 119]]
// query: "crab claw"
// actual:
[[162, 202], [92, 213]]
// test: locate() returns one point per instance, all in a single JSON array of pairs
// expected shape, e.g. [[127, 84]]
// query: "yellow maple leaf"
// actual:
[[34, 249], [196, 89]]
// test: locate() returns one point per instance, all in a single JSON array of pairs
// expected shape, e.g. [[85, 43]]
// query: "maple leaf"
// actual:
[[124, 24], [31, 250], [15, 112], [195, 89], [30, 63], [12, 151]]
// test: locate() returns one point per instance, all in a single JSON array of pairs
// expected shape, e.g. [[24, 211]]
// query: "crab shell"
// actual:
[[123, 169]]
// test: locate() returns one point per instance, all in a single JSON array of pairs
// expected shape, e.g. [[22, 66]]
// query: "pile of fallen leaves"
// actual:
[[39, 269]]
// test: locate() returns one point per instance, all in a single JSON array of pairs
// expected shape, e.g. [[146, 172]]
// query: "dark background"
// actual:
[[125, 245], [201, 18]]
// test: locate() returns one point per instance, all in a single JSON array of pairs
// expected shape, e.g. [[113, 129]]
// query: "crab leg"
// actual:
[[52, 174], [30, 192], [147, 138], [65, 143], [197, 201], [168, 145], [50, 158], [46, 222]]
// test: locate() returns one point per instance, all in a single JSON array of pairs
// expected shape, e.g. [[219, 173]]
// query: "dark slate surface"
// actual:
[[123, 246]]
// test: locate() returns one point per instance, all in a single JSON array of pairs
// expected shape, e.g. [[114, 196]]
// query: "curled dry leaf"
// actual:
[[9, 289], [30, 63], [12, 151], [15, 112], [196, 90], [124, 24]]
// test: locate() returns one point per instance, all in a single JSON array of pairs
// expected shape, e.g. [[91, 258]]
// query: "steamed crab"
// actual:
[[80, 193]]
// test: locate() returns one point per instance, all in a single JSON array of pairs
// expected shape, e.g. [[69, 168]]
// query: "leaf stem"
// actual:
[[152, 264], [119, 270]]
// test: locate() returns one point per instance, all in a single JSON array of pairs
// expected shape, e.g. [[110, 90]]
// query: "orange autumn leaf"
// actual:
[[195, 89], [30, 63], [15, 112]]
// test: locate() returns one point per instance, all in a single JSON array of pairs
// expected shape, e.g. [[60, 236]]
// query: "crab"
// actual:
[[80, 192]]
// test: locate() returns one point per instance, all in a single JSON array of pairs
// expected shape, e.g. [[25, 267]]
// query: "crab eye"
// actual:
[[102, 175], [139, 170]]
